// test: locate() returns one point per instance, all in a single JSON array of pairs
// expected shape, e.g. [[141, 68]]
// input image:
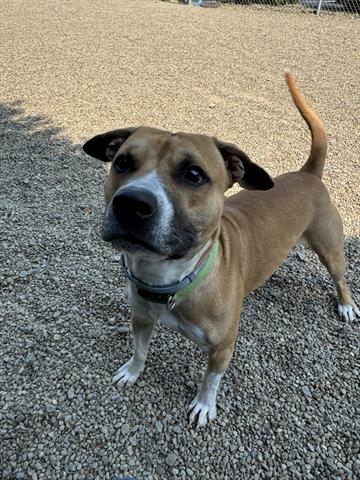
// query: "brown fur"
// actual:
[[257, 231], [256, 228]]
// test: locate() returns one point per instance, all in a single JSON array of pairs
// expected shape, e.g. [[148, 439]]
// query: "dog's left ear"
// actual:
[[242, 170], [104, 146]]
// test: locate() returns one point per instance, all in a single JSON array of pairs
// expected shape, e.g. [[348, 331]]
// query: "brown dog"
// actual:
[[192, 257]]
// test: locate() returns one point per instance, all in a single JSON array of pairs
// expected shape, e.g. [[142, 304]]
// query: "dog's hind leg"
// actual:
[[131, 370], [325, 236]]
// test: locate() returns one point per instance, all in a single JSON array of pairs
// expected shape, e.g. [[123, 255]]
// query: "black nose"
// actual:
[[133, 206]]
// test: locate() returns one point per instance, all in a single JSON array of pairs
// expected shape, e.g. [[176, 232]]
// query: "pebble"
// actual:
[[125, 429], [254, 453], [160, 470], [159, 426], [123, 329], [6, 474], [67, 419], [24, 274], [171, 459], [71, 393], [50, 408], [306, 391], [301, 256], [29, 328], [29, 359]]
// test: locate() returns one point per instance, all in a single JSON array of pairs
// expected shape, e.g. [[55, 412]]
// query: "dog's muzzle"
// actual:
[[137, 219]]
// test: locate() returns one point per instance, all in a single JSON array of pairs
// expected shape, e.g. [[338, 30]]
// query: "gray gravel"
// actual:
[[289, 406]]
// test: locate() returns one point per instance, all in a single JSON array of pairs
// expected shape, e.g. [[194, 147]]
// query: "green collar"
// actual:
[[172, 294]]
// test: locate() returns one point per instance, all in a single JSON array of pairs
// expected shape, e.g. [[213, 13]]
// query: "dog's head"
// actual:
[[165, 192]]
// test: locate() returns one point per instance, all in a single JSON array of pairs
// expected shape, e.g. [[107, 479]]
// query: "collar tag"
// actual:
[[170, 304]]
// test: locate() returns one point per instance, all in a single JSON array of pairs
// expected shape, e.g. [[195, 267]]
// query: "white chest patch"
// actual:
[[159, 313], [187, 329]]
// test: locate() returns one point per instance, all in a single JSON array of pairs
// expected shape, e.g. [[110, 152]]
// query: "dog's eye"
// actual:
[[195, 176], [124, 164]]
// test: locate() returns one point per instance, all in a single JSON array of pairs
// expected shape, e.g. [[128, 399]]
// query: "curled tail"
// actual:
[[316, 161]]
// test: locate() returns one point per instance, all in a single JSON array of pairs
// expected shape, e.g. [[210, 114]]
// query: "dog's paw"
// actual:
[[127, 375], [202, 410], [348, 311]]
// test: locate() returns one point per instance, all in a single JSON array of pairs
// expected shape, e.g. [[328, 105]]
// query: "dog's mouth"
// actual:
[[171, 248], [148, 238], [129, 241]]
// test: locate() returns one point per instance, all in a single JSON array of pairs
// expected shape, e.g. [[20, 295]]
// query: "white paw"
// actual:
[[202, 410], [348, 312], [127, 375]]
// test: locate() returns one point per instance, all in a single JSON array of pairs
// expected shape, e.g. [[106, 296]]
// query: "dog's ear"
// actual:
[[104, 146], [242, 170]]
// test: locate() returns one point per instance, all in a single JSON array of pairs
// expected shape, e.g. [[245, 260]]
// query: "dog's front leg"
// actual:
[[203, 407], [131, 370]]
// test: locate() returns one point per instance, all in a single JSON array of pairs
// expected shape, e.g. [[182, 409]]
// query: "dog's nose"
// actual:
[[133, 206]]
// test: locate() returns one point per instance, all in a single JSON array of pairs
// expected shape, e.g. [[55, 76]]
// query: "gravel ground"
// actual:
[[289, 405]]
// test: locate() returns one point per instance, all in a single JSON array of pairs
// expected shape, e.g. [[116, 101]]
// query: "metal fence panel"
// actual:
[[346, 6]]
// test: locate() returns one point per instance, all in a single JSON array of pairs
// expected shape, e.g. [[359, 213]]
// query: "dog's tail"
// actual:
[[316, 161]]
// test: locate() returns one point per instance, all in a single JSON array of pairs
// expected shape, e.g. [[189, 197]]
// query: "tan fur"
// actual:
[[257, 231], [256, 228]]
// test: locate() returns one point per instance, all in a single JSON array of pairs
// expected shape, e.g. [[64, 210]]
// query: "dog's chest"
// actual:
[[187, 329], [160, 313]]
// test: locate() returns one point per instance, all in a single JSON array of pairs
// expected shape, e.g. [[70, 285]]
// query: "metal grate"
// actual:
[[346, 6]]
